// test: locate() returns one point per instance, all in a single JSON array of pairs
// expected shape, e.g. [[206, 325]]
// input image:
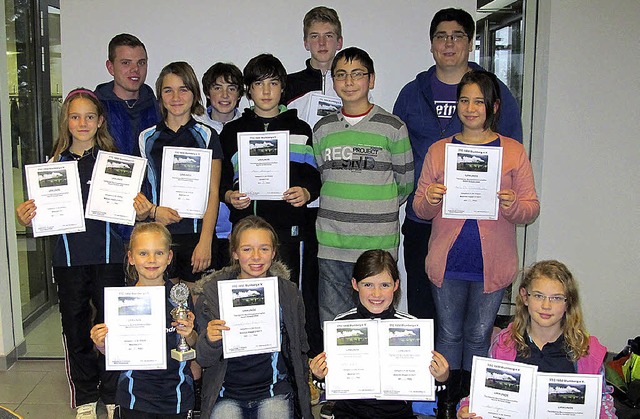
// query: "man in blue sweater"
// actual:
[[427, 105]]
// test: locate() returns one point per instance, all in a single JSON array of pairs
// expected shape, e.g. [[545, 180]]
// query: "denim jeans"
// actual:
[[276, 407], [465, 320], [335, 294]]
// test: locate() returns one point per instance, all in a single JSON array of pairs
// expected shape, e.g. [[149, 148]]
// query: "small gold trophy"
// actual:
[[179, 295]]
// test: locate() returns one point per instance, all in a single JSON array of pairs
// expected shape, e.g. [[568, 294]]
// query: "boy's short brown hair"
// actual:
[[321, 14]]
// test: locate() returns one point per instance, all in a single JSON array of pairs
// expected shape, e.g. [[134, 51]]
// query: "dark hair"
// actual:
[[249, 223], [188, 76], [123, 39], [230, 74], [490, 88], [463, 18], [324, 15], [373, 262], [354, 53], [262, 67]]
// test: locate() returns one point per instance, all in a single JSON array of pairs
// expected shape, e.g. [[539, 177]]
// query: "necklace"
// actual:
[[130, 106]]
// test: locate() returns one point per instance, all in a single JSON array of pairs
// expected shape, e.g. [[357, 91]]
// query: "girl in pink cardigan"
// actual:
[[548, 331], [470, 262]]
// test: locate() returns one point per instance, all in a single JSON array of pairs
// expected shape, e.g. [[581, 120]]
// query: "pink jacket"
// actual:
[[498, 237], [504, 348]]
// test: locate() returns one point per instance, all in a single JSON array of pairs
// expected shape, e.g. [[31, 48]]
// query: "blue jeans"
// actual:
[[276, 407], [335, 294], [465, 320]]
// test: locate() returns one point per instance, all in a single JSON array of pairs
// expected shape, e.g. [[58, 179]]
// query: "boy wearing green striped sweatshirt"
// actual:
[[366, 164]]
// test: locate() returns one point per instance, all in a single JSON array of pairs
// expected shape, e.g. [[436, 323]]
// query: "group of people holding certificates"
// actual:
[[234, 337]]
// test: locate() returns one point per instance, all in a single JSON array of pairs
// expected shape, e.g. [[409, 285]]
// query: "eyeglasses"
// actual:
[[553, 299], [455, 37], [355, 75]]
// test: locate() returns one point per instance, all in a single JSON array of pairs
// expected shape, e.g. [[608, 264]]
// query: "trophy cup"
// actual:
[[179, 295]]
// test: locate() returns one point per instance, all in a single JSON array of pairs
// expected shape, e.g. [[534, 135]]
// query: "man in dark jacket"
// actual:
[[130, 104]]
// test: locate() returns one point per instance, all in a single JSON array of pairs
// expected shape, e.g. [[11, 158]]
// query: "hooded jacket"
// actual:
[[416, 108], [294, 338], [283, 216]]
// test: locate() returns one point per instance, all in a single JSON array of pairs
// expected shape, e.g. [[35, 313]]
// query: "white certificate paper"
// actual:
[[568, 396], [352, 358], [136, 318], [186, 174], [251, 310], [405, 356], [472, 177], [320, 106], [263, 164], [382, 359], [502, 389], [55, 189], [115, 181]]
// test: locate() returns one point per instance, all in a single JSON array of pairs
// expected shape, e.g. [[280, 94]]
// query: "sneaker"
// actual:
[[111, 410], [313, 391], [326, 412], [87, 411]]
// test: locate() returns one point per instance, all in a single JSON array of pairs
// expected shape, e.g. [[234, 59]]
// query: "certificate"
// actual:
[[568, 396], [320, 106], [502, 389], [115, 181], [263, 164], [352, 357], [251, 310], [136, 318], [405, 356], [472, 177], [55, 189], [186, 174], [382, 359]]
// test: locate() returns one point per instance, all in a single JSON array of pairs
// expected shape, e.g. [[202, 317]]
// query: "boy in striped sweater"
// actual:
[[365, 161]]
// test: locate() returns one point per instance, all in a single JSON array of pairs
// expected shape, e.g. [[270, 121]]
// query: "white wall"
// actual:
[[201, 32], [585, 115], [586, 151]]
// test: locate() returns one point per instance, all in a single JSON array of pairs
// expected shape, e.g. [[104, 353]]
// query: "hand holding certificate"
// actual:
[[55, 190], [382, 359], [251, 310], [137, 335], [502, 389], [115, 182], [472, 177], [186, 173], [263, 164]]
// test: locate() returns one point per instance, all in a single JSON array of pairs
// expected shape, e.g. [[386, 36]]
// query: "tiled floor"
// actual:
[[38, 389]]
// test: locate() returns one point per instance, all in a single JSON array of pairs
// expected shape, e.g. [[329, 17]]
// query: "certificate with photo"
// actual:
[[186, 175], [115, 182], [568, 396], [320, 106], [353, 359], [136, 318], [502, 389], [55, 189], [405, 356], [472, 177], [263, 164], [251, 310]]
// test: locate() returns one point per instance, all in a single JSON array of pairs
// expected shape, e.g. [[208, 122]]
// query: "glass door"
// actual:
[[33, 67]]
